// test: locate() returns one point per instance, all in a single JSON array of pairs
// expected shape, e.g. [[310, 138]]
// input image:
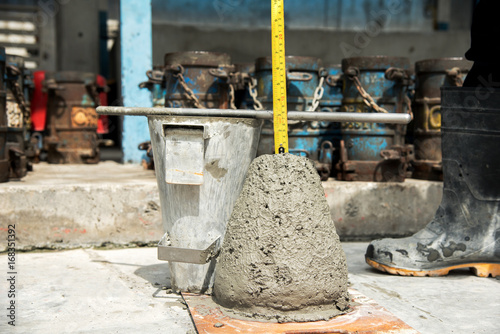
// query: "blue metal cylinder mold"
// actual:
[[4, 162], [374, 151], [198, 79], [430, 76], [303, 78]]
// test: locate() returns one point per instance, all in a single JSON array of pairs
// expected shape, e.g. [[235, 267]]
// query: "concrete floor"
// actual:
[[90, 205], [120, 291]]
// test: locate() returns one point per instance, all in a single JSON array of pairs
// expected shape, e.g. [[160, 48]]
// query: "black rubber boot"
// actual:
[[465, 231]]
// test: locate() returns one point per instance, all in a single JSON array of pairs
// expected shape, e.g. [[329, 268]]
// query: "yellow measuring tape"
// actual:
[[279, 77]]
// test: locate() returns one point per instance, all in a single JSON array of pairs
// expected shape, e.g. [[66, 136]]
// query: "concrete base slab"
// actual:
[[368, 210], [69, 206], [120, 291]]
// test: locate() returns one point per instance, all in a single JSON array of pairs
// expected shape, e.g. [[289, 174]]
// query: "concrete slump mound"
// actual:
[[281, 259]]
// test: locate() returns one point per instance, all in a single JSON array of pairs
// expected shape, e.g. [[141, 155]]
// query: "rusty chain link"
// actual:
[[19, 95], [252, 84], [187, 91], [352, 74], [408, 105]]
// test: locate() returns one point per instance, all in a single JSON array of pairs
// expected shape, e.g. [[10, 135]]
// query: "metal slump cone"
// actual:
[[281, 258]]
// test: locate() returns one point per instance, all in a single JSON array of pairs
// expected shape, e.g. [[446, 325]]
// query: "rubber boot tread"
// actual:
[[479, 269]]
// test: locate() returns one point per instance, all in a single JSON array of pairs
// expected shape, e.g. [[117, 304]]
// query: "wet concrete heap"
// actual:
[[281, 258]]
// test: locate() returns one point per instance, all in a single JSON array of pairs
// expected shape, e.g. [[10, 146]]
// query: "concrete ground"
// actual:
[[122, 291], [91, 205]]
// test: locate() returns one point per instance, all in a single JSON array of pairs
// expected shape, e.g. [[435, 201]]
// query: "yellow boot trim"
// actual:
[[479, 269]]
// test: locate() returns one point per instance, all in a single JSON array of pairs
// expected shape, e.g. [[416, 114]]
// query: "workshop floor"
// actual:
[[123, 291]]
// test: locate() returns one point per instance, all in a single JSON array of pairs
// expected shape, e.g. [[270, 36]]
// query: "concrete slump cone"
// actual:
[[281, 259]]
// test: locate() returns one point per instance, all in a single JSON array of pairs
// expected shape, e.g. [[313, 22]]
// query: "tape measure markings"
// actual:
[[279, 77]]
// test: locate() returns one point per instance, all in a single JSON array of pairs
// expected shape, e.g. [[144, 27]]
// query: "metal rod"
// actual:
[[260, 114]]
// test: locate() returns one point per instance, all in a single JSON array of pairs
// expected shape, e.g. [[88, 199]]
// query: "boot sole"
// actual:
[[479, 269]]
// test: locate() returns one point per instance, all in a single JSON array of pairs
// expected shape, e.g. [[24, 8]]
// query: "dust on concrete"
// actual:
[[281, 258]]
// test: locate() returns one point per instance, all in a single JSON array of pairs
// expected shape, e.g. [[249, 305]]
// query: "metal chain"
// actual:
[[188, 92], [14, 115], [19, 96], [318, 94], [408, 104], [367, 99], [252, 84], [231, 97]]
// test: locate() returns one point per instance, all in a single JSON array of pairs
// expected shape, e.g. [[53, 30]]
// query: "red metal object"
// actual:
[[38, 103], [103, 122], [366, 317]]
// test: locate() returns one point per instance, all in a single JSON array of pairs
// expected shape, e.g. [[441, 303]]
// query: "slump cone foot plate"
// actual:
[[479, 269], [365, 317]]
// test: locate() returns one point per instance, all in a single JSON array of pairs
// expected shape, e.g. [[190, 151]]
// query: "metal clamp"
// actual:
[[155, 77], [226, 72], [298, 76], [51, 84], [333, 80], [398, 75], [188, 255], [398, 152], [219, 73]]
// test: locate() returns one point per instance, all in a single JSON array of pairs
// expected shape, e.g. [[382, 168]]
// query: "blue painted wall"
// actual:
[[404, 15], [136, 59]]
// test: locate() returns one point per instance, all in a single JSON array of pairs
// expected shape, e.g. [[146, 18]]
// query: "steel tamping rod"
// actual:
[[259, 114]]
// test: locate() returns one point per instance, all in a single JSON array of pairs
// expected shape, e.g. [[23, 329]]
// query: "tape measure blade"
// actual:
[[279, 77]]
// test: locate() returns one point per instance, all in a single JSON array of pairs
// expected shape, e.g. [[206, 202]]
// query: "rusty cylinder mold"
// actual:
[[4, 163], [198, 79], [71, 135], [281, 259], [431, 75]]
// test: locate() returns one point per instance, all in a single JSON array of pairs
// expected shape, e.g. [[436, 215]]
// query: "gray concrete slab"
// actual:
[[120, 291], [68, 206]]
